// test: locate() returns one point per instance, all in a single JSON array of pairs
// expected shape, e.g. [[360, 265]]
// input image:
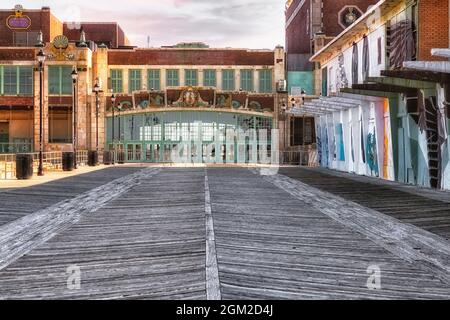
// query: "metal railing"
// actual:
[[303, 156], [7, 166], [82, 157], [52, 161], [9, 148]]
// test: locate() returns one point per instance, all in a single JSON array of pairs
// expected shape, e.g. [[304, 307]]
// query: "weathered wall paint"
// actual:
[[358, 140], [301, 79]]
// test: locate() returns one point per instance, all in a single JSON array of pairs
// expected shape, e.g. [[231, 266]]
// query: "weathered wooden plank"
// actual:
[[125, 252], [16, 203], [273, 245], [427, 209]]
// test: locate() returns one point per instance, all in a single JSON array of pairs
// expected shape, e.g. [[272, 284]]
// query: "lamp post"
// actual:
[[284, 108], [113, 106], [41, 59], [74, 75], [119, 108], [303, 103], [120, 152], [97, 90]]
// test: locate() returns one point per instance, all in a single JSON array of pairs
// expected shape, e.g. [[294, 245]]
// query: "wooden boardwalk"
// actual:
[[271, 245], [403, 203], [16, 203], [147, 244], [150, 243]]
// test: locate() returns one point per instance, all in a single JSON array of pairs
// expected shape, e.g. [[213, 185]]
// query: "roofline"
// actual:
[[89, 22], [192, 49]]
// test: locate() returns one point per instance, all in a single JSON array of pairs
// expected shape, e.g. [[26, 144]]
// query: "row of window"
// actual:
[[190, 79], [16, 80]]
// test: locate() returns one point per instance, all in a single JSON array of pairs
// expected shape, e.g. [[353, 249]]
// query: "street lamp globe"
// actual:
[[74, 74], [97, 86], [40, 56]]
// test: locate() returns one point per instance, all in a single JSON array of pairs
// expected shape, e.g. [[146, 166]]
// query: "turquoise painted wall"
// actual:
[[303, 79]]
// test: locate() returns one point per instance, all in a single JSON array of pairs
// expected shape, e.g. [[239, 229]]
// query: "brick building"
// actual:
[[309, 26], [386, 86], [160, 92]]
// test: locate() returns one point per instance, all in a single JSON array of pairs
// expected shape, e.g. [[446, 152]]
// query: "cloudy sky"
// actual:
[[219, 23]]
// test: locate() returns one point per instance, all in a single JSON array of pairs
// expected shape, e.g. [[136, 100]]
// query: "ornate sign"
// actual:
[[59, 47], [61, 42], [18, 21], [348, 15], [190, 98]]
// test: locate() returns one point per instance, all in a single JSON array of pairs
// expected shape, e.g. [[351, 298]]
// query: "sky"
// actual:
[[256, 24]]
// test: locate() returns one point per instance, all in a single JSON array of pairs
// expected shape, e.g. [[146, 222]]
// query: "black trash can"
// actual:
[[93, 158], [68, 161], [107, 157], [24, 166], [120, 157]]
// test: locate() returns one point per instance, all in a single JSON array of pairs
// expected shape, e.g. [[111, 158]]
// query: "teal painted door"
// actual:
[[134, 152], [401, 156]]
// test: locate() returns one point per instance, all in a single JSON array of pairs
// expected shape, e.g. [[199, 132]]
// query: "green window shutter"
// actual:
[[191, 78], [265, 81], [134, 80], [25, 80], [154, 79], [173, 79], [10, 80], [228, 83], [66, 80], [117, 80], [209, 78], [247, 80]]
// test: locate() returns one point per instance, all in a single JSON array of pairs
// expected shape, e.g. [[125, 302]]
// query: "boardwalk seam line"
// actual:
[[212, 269]]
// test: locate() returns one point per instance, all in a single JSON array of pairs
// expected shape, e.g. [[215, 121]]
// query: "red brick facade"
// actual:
[[234, 57], [331, 9], [433, 27], [17, 55], [16, 101], [41, 20], [298, 37], [109, 33], [298, 32]]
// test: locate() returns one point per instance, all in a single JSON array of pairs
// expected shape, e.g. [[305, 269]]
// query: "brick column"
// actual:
[[36, 123]]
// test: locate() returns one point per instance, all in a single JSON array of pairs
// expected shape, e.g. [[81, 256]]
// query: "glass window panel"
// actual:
[[10, 80], [209, 78], [228, 83], [191, 78], [135, 80], [247, 80], [53, 80], [173, 79], [66, 80], [117, 80], [60, 124], [265, 81], [25, 80], [154, 79]]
